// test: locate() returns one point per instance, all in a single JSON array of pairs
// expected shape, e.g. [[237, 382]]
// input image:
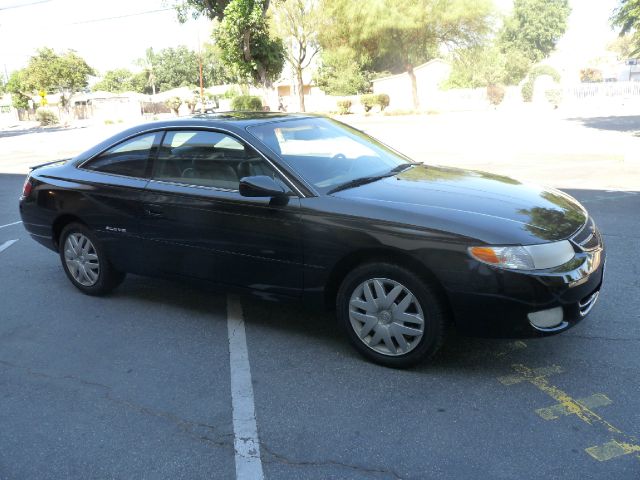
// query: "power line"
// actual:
[[20, 5], [120, 16]]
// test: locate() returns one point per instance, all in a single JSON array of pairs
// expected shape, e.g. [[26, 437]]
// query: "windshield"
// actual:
[[327, 153]]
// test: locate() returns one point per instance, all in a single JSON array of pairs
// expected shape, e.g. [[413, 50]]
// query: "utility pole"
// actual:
[[201, 83]]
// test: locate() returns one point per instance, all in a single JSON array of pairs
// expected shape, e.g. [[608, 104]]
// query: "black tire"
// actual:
[[108, 277], [432, 306]]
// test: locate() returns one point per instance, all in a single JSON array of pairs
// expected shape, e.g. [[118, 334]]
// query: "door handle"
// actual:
[[153, 212]]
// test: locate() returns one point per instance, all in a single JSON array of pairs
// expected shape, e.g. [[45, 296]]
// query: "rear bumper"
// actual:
[[501, 306]]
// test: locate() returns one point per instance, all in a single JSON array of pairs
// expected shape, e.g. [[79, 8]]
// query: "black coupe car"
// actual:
[[304, 207]]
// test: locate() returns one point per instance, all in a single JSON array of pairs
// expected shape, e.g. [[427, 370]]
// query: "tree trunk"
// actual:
[[300, 88], [414, 87]]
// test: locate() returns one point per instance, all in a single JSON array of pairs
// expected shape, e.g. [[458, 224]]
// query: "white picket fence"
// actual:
[[602, 90]]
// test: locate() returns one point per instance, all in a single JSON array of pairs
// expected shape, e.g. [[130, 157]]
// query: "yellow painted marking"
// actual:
[[611, 450], [536, 372], [568, 406], [573, 407], [594, 401], [512, 347]]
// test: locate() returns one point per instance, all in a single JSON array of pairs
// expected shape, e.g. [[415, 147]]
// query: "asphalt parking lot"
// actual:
[[139, 384]]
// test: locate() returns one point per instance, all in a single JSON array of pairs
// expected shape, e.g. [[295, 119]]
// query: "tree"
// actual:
[[20, 92], [296, 23], [50, 72], [624, 46], [246, 46], [148, 65], [242, 34], [534, 27], [397, 36], [342, 73], [213, 70], [627, 17], [176, 67], [121, 80]]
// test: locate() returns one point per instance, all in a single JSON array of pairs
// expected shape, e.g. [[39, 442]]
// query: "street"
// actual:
[[138, 384]]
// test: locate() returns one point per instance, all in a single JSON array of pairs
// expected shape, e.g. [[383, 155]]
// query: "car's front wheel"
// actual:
[[85, 262], [391, 316]]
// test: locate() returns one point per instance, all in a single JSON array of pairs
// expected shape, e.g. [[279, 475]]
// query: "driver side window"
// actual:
[[208, 159]]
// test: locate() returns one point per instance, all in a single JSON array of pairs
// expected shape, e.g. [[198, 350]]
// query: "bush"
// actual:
[[527, 90], [247, 103], [344, 106], [46, 117], [544, 70], [382, 99], [174, 104], [554, 96], [368, 101], [495, 94]]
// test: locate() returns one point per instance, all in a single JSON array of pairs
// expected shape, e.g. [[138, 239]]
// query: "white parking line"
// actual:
[[245, 430], [10, 224], [7, 244]]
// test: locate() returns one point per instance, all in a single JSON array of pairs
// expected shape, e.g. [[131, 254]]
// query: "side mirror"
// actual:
[[261, 186]]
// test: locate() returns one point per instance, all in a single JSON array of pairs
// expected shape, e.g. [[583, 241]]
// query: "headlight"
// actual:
[[528, 257]]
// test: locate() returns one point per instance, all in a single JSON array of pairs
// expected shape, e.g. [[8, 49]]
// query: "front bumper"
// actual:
[[497, 303]]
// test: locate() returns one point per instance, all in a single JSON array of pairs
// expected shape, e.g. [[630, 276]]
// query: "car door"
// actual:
[[205, 229], [111, 200]]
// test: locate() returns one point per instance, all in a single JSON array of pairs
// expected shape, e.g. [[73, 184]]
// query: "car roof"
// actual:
[[238, 119]]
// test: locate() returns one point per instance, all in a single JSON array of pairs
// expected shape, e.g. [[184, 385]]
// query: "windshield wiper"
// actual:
[[356, 182]]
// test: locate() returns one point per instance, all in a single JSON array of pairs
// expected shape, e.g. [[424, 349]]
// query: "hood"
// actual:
[[484, 206]]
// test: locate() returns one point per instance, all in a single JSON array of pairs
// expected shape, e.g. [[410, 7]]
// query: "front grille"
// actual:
[[588, 237], [586, 304]]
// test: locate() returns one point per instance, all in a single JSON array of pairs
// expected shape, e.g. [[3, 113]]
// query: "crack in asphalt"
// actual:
[[279, 458], [597, 337]]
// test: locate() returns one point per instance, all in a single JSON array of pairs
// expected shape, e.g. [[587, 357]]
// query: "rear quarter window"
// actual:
[[128, 158]]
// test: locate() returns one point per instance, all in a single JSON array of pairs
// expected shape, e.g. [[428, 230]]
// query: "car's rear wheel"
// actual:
[[391, 316], [85, 262]]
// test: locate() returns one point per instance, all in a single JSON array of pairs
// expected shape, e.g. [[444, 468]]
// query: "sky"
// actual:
[[104, 42], [107, 42]]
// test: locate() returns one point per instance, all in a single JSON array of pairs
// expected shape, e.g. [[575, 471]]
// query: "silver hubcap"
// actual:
[[81, 259], [386, 316]]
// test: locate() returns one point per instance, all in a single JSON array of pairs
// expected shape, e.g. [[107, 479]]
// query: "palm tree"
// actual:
[[148, 64]]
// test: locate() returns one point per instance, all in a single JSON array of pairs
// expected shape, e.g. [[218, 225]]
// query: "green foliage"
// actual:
[[539, 70], [534, 27], [396, 36], [527, 90], [368, 101], [624, 46], [382, 100], [296, 21], [51, 72], [248, 103], [627, 17], [344, 106], [231, 93], [590, 75], [46, 117], [247, 49], [528, 86], [174, 104], [148, 65], [121, 80], [18, 89], [176, 67], [341, 73], [495, 94], [200, 8]]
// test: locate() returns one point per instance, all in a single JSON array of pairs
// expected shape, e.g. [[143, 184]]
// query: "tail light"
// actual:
[[27, 187]]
